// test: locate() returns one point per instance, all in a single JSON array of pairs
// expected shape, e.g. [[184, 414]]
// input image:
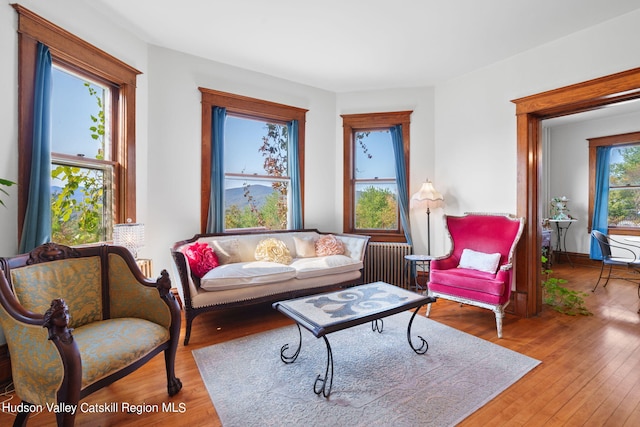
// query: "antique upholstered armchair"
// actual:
[[478, 269], [78, 319]]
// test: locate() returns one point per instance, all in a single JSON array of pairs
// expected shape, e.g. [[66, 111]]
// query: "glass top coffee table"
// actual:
[[325, 313]]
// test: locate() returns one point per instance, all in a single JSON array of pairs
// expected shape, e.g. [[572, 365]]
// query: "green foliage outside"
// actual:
[[561, 299], [273, 213], [6, 183], [624, 204], [77, 210], [376, 209]]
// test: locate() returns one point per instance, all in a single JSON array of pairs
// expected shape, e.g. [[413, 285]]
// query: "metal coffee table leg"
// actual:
[[424, 346], [326, 382]]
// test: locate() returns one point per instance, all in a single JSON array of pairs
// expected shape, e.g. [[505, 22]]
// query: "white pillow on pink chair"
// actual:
[[480, 261]]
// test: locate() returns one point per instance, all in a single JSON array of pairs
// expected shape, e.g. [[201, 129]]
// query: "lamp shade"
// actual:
[[427, 197], [130, 235]]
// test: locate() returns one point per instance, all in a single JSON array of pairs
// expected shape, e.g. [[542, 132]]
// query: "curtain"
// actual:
[[215, 219], [401, 179], [36, 228], [294, 173], [601, 202]]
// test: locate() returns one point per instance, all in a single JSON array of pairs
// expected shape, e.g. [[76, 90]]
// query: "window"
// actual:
[[370, 183], [258, 174], [93, 133], [624, 181], [82, 171], [256, 171]]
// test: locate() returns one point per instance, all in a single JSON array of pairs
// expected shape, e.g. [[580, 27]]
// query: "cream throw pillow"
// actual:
[[273, 250], [305, 247], [479, 261]]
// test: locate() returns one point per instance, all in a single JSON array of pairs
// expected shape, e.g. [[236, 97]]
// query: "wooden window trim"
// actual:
[[76, 53], [370, 121], [603, 141], [251, 108]]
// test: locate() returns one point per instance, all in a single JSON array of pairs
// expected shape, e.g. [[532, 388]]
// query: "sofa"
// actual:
[[78, 319], [224, 270]]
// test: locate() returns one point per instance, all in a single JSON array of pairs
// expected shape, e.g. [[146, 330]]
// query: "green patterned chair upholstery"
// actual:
[[78, 319]]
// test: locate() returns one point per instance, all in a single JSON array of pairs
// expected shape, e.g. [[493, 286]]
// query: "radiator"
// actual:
[[385, 262]]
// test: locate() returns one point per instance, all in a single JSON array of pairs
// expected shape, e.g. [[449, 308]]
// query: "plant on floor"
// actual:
[[559, 298]]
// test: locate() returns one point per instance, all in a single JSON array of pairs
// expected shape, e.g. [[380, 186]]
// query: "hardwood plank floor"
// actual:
[[589, 376]]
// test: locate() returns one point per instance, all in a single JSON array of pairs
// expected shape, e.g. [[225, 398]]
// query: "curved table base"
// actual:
[[323, 384]]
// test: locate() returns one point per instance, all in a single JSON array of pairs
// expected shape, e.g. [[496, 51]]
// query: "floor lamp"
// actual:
[[427, 197]]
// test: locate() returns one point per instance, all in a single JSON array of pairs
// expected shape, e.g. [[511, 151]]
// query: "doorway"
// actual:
[[530, 111]]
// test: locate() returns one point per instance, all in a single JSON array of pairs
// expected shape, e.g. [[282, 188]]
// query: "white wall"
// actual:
[[463, 131], [475, 124], [568, 161], [175, 139]]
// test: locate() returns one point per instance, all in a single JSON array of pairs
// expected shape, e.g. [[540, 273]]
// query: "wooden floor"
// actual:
[[590, 371]]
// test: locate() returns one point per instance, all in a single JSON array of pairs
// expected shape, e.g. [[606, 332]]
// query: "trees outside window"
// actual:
[[370, 182], [624, 181], [93, 133], [257, 170], [257, 180], [82, 172]]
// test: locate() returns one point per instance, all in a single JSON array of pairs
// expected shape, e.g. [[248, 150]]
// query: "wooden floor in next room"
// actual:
[[590, 371]]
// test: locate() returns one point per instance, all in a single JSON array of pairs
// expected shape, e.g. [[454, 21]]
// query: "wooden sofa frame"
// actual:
[[192, 312]]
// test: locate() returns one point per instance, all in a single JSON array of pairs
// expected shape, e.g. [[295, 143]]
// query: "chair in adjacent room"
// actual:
[[478, 269], [625, 257]]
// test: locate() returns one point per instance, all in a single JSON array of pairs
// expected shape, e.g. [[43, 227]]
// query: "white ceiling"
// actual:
[[351, 45]]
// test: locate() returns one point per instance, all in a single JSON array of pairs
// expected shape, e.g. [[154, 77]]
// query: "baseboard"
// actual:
[[575, 258], [5, 365]]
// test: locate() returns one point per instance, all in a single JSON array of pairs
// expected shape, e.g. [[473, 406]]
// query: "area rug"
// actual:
[[378, 379]]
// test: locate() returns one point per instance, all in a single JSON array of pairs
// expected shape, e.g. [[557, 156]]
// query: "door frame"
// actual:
[[530, 111]]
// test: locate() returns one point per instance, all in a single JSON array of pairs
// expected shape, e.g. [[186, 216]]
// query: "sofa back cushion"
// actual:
[[76, 280]]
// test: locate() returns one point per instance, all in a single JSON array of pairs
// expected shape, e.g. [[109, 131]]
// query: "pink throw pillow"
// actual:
[[202, 258], [329, 245]]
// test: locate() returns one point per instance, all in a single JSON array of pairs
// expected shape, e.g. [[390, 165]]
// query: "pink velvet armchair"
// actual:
[[478, 269]]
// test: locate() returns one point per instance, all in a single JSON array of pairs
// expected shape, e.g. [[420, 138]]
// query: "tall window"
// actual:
[[82, 170], [371, 194], [256, 169], [93, 133], [259, 173], [623, 207]]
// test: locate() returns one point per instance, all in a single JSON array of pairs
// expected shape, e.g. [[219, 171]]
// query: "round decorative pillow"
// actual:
[[273, 250], [329, 245], [201, 258]]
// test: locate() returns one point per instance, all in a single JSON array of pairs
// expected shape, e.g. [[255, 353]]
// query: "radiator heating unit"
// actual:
[[384, 261]]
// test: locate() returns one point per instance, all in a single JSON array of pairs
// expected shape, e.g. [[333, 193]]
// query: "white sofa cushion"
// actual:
[[241, 274], [321, 266]]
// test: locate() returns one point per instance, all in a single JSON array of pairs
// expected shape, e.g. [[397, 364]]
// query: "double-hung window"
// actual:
[[261, 145], [92, 183], [623, 189], [371, 191]]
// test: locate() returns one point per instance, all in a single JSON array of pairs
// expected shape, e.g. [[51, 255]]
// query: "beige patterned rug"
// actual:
[[378, 379]]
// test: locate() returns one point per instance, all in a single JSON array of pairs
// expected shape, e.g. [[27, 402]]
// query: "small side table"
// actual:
[[418, 263], [562, 228]]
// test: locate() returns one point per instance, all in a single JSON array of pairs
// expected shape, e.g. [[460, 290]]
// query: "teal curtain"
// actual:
[[401, 180], [601, 202], [36, 228], [294, 174], [215, 219]]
